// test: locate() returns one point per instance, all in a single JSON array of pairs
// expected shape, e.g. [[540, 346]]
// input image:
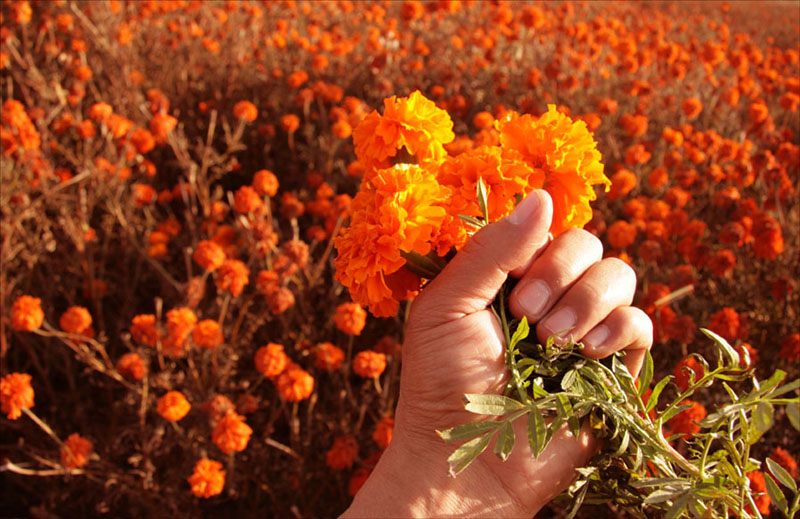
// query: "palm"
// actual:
[[466, 356]]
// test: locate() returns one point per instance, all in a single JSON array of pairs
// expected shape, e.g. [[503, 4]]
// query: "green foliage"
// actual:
[[638, 467]]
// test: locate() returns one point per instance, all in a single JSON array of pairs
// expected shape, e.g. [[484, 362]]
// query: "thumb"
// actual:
[[472, 278]]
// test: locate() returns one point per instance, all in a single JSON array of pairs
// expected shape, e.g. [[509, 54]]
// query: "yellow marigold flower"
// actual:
[[566, 153], [369, 364], [27, 314], [207, 334], [208, 478], [15, 393], [413, 122], [173, 406], [76, 319], [76, 451], [231, 433]]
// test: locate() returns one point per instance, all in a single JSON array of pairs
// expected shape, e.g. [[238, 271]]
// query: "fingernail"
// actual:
[[533, 297], [561, 321], [596, 337], [525, 209]]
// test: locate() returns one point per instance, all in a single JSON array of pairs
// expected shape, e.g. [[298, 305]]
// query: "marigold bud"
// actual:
[[173, 406], [27, 314], [15, 393], [231, 433], [369, 364], [76, 451], [208, 478]]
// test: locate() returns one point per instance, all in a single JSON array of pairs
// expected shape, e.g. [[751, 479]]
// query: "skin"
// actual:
[[454, 346]]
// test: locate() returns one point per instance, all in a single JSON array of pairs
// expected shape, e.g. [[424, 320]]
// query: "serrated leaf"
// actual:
[[646, 376], [505, 441], [537, 431], [783, 477], [774, 491], [520, 333], [496, 405], [652, 401], [466, 454], [793, 414], [726, 348], [467, 431]]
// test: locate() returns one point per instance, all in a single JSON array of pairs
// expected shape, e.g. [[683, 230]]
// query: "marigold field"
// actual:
[[175, 340]]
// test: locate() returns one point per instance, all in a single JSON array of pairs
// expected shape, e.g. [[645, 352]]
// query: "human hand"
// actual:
[[454, 345]]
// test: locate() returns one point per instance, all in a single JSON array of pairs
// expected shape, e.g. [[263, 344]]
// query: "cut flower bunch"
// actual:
[[419, 202]]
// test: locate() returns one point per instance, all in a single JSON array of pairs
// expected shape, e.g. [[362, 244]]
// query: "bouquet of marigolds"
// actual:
[[423, 195]]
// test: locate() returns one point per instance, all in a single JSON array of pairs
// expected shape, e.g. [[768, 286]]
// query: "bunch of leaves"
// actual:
[[637, 468]]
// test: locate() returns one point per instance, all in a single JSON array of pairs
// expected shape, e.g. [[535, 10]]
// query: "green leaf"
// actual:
[[786, 388], [661, 495], [783, 477], [677, 509], [521, 332], [563, 406], [771, 383], [658, 482], [497, 405], [569, 380], [647, 373], [466, 454], [505, 441], [774, 491], [793, 414], [483, 199], [471, 220], [537, 431], [652, 402], [726, 348], [467, 431], [763, 416], [623, 445]]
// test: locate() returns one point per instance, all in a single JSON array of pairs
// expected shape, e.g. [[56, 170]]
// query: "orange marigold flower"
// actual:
[[357, 480], [161, 125], [290, 123], [143, 140], [413, 122], [759, 486], [232, 276], [209, 255], [758, 112], [768, 235], [267, 282], [682, 374], [328, 356], [27, 314], [76, 451], [216, 407], [208, 478], [567, 154], [726, 323], [635, 125], [622, 183], [790, 348], [15, 393], [246, 200], [685, 422], [343, 453], [342, 129], [245, 110], [295, 384], [231, 433], [173, 406], [144, 330], [350, 318], [180, 322], [131, 366], [265, 182], [692, 107], [383, 432], [76, 319], [782, 457], [271, 360], [297, 78], [369, 364], [207, 334], [621, 234], [280, 300]]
